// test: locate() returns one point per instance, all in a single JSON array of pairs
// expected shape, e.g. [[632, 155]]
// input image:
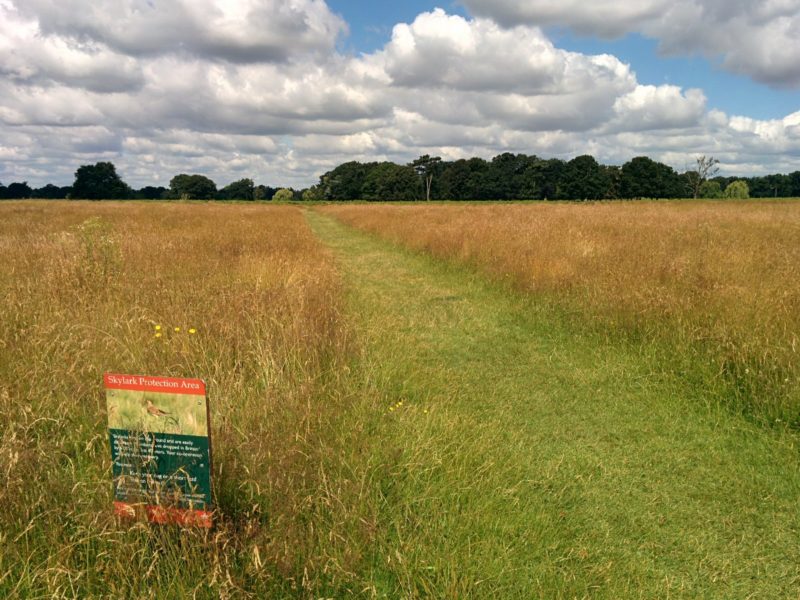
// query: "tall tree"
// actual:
[[345, 181], [18, 190], [506, 177], [464, 180], [705, 168], [243, 189], [584, 179], [642, 177], [263, 192], [99, 181], [192, 187], [427, 167], [388, 181]]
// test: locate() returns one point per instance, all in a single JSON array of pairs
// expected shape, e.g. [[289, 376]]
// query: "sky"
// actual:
[[283, 90]]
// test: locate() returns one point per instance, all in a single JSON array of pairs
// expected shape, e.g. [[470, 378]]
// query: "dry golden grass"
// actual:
[[720, 282], [83, 286]]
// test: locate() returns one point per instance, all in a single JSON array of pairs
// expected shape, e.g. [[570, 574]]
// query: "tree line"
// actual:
[[527, 177], [102, 182], [505, 177]]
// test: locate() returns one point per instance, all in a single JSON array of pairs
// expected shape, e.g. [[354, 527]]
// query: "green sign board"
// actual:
[[160, 448]]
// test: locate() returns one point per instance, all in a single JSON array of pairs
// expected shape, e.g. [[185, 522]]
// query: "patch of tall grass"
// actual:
[[244, 297], [713, 286]]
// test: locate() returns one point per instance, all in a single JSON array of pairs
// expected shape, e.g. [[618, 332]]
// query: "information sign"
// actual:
[[160, 448]]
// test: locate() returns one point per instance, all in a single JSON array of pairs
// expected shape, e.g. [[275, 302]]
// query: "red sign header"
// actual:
[[143, 383]]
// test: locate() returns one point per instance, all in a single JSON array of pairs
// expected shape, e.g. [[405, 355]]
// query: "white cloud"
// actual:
[[240, 31], [760, 39], [651, 108], [81, 82]]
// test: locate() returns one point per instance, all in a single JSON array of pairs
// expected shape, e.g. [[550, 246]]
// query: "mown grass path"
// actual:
[[531, 460]]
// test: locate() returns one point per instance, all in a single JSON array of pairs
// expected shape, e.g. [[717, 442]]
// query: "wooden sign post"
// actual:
[[160, 448]]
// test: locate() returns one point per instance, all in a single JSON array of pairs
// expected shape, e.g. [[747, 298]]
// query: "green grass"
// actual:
[[438, 435], [551, 462]]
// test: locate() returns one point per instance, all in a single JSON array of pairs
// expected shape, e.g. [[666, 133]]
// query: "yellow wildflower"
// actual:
[[158, 327], [158, 335], [193, 331], [177, 330]]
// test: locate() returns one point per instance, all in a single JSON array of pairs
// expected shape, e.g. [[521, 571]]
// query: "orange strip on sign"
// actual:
[[161, 515], [143, 383]]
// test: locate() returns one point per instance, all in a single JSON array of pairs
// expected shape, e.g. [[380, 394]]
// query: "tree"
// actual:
[[549, 178], [283, 195], [313, 194], [243, 189], [150, 192], [388, 181], [465, 179], [584, 179], [263, 192], [18, 190], [642, 177], [710, 190], [794, 184], [706, 167], [51, 192], [614, 178], [192, 187], [99, 181], [426, 167], [738, 189], [345, 181]]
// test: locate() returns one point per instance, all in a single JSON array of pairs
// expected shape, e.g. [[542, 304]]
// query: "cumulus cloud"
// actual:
[[242, 31], [215, 87], [758, 39], [652, 108]]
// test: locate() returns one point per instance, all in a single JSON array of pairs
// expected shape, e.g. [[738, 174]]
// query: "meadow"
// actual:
[[511, 401], [713, 286], [243, 297]]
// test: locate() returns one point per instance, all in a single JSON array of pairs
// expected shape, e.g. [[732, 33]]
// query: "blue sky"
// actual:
[[734, 94], [371, 25]]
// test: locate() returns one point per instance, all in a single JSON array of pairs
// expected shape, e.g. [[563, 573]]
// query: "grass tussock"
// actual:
[[245, 298], [716, 286]]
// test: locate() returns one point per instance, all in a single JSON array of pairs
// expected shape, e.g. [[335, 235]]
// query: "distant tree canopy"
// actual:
[[387, 180], [507, 176], [192, 187], [737, 189], [98, 182], [283, 195], [585, 179], [52, 192], [643, 177], [244, 189], [710, 190], [150, 192], [18, 190]]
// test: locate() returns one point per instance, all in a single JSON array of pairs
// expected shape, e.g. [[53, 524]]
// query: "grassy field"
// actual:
[[714, 284], [385, 424], [245, 298]]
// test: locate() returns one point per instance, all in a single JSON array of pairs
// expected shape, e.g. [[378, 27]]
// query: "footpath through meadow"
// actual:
[[537, 461]]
